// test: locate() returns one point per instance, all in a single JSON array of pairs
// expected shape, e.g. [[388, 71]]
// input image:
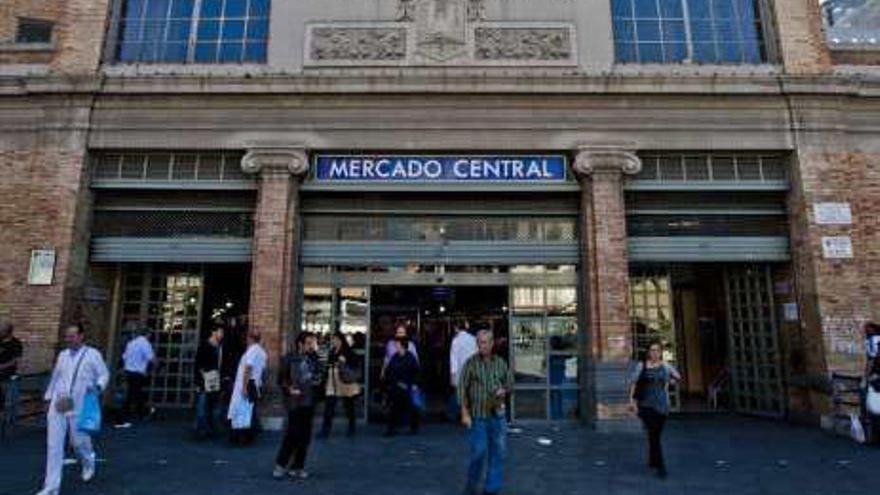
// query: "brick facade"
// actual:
[[801, 38]]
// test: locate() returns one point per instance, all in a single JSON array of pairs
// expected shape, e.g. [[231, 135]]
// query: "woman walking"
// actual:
[[400, 376], [342, 383], [649, 395]]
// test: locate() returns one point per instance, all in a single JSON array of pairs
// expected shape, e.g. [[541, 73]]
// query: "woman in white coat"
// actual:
[[78, 370]]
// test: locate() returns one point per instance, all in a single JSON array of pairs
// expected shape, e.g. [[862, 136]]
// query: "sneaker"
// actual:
[[88, 472], [122, 425], [299, 474], [279, 472]]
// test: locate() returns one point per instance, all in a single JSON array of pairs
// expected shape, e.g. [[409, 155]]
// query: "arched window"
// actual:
[[193, 31]]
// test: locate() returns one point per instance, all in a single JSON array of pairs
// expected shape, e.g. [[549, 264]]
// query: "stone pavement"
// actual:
[[706, 455]]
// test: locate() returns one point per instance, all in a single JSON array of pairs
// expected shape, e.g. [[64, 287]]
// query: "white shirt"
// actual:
[[92, 373], [138, 355], [464, 345], [256, 358]]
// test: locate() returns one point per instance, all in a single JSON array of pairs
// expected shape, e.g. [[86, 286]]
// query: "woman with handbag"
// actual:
[[342, 382], [401, 377], [649, 396]]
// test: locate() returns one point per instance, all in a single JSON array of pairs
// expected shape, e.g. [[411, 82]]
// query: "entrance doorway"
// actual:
[[432, 314]]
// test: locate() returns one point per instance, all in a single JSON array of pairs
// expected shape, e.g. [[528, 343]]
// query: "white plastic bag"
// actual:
[[856, 431], [241, 414], [872, 401]]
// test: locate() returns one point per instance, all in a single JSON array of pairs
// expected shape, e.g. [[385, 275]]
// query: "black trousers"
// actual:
[[297, 437], [135, 404], [401, 408], [330, 413], [654, 423]]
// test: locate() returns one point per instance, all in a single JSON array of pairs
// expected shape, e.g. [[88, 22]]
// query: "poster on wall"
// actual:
[[832, 214], [42, 267], [837, 247]]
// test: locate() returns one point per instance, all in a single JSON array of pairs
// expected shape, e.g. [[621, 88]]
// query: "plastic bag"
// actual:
[[872, 401], [856, 431], [417, 397], [89, 419], [241, 414]]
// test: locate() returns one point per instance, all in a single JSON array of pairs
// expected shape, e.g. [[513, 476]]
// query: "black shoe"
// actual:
[[390, 433], [323, 435], [662, 473]]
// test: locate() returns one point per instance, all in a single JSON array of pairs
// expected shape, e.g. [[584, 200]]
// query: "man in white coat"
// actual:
[[78, 369], [243, 404]]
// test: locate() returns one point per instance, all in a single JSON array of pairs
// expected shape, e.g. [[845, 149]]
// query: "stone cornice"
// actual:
[[593, 159], [539, 81]]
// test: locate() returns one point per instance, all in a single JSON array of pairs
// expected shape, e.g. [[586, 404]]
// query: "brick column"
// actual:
[[274, 266], [605, 280]]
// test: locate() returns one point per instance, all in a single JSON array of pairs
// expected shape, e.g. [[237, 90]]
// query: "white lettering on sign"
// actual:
[[837, 247], [832, 214]]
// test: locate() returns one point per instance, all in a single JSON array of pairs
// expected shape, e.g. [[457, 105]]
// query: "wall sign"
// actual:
[[440, 168], [42, 267], [832, 213], [837, 247]]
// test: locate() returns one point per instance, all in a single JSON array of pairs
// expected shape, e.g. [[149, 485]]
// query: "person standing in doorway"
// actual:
[[649, 397], [209, 360], [464, 346], [341, 383], [484, 384], [401, 377], [79, 369], [247, 390], [10, 356], [136, 362], [298, 377], [391, 347]]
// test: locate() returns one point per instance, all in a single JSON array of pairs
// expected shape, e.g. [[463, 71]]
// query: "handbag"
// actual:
[[241, 414], [212, 380], [856, 430], [89, 419], [417, 397], [64, 404]]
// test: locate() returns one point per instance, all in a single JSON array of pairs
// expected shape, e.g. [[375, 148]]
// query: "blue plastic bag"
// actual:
[[89, 419], [417, 397]]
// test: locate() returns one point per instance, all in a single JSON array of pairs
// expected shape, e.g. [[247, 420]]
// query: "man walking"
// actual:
[[484, 384], [464, 346], [78, 370], [298, 378], [136, 360], [209, 359], [247, 390], [10, 355]]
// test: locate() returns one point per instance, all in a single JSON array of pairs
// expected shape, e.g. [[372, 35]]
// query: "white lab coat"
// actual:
[[256, 358], [92, 373], [464, 345]]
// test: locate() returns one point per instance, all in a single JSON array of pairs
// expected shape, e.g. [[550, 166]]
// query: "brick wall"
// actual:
[[801, 39], [836, 296]]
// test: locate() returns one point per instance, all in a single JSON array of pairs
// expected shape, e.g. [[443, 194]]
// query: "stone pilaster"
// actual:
[[274, 270], [605, 279]]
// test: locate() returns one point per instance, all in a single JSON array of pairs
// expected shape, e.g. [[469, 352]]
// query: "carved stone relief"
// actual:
[[440, 29], [494, 43], [352, 44]]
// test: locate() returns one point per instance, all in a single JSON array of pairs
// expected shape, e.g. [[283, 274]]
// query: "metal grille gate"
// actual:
[[756, 374]]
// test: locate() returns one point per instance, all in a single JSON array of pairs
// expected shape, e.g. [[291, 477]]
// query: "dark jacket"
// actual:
[[302, 372], [402, 371]]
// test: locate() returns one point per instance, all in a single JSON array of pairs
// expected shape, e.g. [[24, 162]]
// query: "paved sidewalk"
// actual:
[[721, 455]]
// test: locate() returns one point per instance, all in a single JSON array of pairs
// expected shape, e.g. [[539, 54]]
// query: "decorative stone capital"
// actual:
[[276, 161], [595, 159]]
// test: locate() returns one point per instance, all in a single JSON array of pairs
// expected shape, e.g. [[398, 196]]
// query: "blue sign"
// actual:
[[440, 168]]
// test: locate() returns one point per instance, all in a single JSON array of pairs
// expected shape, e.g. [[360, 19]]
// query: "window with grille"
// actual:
[[193, 31], [713, 168], [175, 167], [852, 22], [34, 31], [688, 31]]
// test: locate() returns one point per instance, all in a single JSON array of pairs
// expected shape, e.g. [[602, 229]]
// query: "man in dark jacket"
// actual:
[[401, 374], [299, 376], [209, 359]]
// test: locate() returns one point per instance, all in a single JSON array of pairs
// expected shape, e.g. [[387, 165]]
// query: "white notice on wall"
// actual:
[[832, 213], [42, 268], [837, 247], [790, 311]]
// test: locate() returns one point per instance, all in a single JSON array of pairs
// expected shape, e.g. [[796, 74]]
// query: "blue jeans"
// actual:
[[207, 413], [9, 392], [488, 438]]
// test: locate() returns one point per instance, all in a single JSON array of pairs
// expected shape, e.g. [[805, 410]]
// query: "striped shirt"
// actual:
[[479, 380]]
